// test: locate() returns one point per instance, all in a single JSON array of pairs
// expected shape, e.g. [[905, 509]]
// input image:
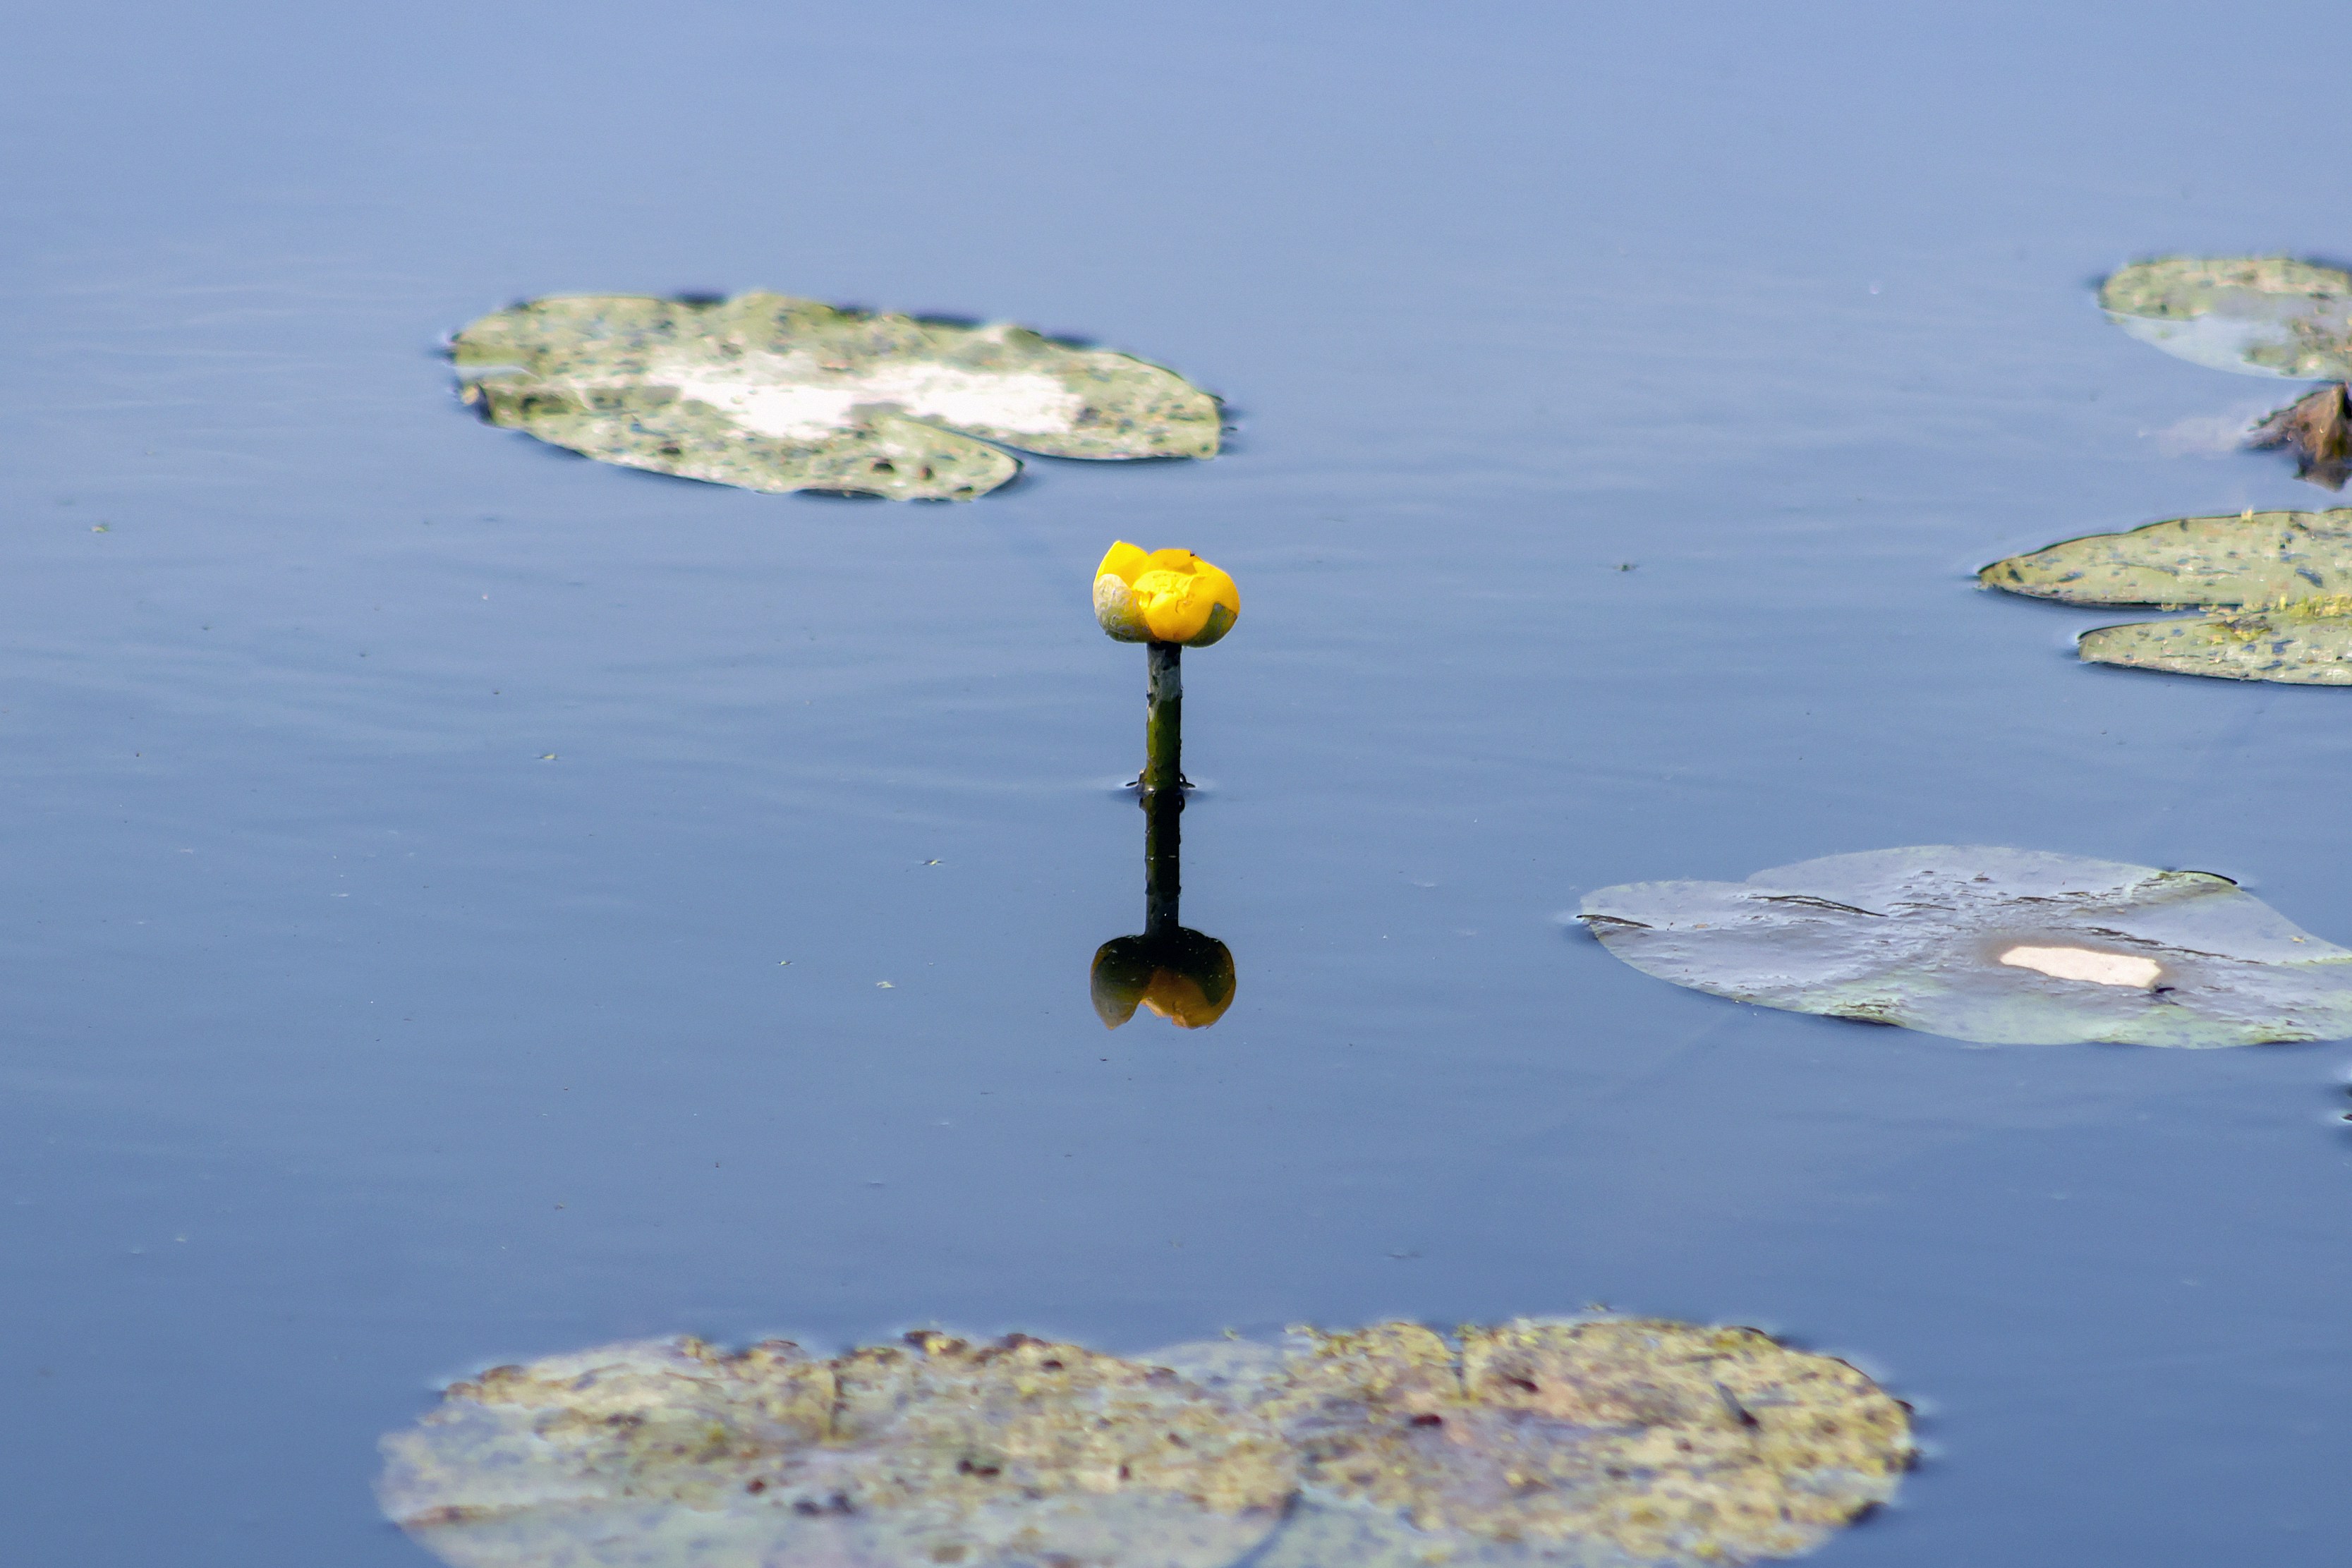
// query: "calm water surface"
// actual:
[[354, 1043]]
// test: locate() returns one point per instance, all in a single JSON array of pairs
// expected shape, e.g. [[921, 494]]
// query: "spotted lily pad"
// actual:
[[2264, 316], [771, 392], [1999, 946], [2287, 575], [2307, 642], [2252, 557], [1604, 1444], [674, 1456]]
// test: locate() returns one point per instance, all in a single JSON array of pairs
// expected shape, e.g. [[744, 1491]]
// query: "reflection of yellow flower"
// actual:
[[1184, 977], [1165, 596]]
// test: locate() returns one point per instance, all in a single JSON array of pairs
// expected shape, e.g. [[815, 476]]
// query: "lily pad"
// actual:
[[1629, 1443], [674, 1456], [2287, 575], [1997, 945], [2249, 558], [1603, 1445], [771, 392], [2307, 642], [2263, 315]]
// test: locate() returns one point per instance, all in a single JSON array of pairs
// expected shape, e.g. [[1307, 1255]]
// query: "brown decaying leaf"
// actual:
[[2318, 428]]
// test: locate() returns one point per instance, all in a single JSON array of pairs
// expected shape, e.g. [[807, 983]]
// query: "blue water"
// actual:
[[353, 1042]]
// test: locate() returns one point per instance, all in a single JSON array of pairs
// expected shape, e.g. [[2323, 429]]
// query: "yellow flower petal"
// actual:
[[1123, 561], [1176, 604], [1223, 596]]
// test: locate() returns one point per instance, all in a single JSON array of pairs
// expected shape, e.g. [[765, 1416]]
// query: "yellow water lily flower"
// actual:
[[1164, 596]]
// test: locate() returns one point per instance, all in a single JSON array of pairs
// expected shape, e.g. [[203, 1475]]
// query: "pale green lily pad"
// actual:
[[1599, 1444], [2243, 558], [1620, 1443], [2287, 575], [771, 392], [2263, 315], [2307, 643], [1998, 945], [674, 1456]]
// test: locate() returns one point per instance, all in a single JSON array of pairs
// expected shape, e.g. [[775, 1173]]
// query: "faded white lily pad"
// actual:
[[1607, 1444], [1612, 1444], [673, 1456], [2263, 315], [1998, 945], [2287, 576], [771, 392]]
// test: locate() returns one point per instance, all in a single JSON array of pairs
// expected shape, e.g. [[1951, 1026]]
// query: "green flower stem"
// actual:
[[1163, 728]]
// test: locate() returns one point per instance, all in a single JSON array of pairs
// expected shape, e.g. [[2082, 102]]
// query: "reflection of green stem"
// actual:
[[1163, 787], [1163, 818]]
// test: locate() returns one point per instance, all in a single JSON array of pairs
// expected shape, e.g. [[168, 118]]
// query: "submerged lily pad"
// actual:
[[2264, 316], [771, 392], [1608, 1444], [1998, 945], [673, 1456], [2287, 575]]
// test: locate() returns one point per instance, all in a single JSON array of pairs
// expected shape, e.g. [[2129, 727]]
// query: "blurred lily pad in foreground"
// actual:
[[1614, 1442], [771, 392], [1998, 945], [674, 1456], [2281, 583], [2264, 316]]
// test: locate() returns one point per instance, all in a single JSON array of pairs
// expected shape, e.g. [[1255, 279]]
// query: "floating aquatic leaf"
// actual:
[[2303, 642], [2287, 575], [2264, 316], [2000, 945], [2255, 558], [672, 1455], [1608, 1444], [775, 393], [1602, 1445]]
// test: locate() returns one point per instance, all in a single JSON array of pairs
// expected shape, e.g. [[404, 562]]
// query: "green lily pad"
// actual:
[[1613, 1443], [2263, 315], [674, 1456], [2286, 575], [1998, 945], [2307, 643], [2252, 557], [771, 392]]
